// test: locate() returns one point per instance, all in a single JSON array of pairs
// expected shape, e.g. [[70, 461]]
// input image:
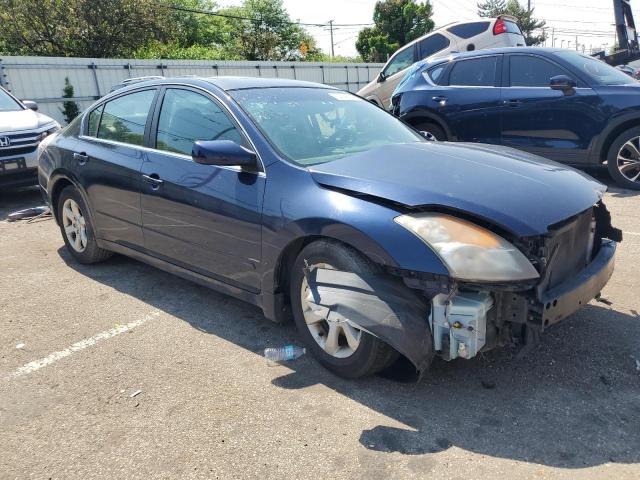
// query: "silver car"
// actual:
[[22, 129]]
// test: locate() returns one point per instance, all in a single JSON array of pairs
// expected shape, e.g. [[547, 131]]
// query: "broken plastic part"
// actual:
[[380, 305]]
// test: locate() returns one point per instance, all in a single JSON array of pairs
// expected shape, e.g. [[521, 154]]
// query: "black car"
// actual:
[[559, 104]]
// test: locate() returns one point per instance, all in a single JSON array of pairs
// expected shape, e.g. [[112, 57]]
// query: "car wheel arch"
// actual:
[[422, 117], [612, 133], [59, 181]]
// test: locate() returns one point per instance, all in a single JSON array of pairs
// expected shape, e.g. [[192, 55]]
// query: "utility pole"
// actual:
[[576, 43], [331, 30], [529, 5], [553, 36]]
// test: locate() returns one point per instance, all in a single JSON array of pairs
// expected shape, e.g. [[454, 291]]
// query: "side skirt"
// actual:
[[240, 294]]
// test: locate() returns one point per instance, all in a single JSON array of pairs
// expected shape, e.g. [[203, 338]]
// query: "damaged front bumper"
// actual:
[[458, 324]]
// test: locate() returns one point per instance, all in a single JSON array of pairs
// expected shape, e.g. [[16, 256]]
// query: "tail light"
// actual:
[[499, 27]]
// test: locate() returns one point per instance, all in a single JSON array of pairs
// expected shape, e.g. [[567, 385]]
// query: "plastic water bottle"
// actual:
[[275, 356]]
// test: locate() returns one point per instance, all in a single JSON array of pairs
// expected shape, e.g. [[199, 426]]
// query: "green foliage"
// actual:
[[528, 24], [269, 34], [70, 109], [397, 22], [172, 51]]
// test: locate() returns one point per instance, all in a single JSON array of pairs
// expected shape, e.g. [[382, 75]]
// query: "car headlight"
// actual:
[[470, 252]]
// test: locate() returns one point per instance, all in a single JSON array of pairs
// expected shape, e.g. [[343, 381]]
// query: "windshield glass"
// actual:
[[598, 71], [7, 103], [309, 126]]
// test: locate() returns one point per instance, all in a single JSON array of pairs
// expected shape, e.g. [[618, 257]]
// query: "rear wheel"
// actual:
[[431, 131], [340, 346], [76, 228], [623, 160]]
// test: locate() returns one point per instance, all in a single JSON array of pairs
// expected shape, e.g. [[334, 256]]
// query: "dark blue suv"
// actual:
[[559, 104]]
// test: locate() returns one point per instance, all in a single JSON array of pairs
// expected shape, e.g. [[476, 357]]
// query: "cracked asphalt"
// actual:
[[119, 370]]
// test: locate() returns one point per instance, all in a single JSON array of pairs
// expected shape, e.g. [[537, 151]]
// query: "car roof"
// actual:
[[493, 51], [229, 83]]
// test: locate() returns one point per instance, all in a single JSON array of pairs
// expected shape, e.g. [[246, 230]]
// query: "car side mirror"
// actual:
[[222, 152], [562, 83], [381, 77], [30, 105]]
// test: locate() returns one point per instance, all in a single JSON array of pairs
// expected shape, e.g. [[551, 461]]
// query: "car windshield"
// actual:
[[598, 71], [7, 103], [309, 126]]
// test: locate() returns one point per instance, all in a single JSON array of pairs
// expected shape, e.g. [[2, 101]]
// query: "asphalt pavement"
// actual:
[[120, 370]]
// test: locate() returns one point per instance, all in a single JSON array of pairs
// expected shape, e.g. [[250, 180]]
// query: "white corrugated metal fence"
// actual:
[[42, 78]]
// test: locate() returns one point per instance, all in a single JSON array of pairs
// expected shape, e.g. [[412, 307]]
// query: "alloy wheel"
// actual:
[[338, 338], [74, 224], [428, 135], [628, 160]]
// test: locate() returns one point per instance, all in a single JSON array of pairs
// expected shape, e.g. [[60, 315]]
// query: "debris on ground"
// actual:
[[137, 392], [20, 346], [29, 214], [275, 356]]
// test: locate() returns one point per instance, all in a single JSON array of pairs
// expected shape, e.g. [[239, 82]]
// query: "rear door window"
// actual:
[[478, 72], [530, 71], [432, 44], [468, 30], [94, 121], [403, 59], [124, 118], [187, 116]]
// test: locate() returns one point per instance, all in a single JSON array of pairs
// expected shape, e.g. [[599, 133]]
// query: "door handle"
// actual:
[[81, 157], [153, 180], [440, 99], [512, 103]]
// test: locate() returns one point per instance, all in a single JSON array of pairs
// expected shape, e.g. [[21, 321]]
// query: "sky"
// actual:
[[591, 20]]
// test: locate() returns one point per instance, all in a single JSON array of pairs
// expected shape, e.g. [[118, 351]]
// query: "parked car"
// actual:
[[307, 200], [502, 31], [629, 70], [559, 104], [21, 130]]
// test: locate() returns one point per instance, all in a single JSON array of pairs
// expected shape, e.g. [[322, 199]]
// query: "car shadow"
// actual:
[[18, 199], [601, 174], [573, 402]]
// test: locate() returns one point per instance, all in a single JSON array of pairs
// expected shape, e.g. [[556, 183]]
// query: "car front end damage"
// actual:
[[573, 261]]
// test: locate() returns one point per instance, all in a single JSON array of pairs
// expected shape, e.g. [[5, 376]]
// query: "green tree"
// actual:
[[70, 109], [89, 28], [528, 24], [264, 31], [396, 23]]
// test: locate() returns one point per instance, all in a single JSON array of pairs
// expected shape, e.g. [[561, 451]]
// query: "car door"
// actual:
[[107, 161], [543, 121], [469, 99], [202, 217], [393, 73]]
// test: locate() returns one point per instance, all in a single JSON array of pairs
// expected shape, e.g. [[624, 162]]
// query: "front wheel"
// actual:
[[623, 160], [340, 346]]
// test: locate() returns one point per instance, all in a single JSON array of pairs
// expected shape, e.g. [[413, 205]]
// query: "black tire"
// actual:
[[92, 253], [435, 130], [612, 159], [372, 354]]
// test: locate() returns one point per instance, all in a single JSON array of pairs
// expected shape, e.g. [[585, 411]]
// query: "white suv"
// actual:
[[502, 31], [21, 130]]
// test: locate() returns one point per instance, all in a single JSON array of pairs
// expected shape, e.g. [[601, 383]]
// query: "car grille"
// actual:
[[20, 144], [569, 249]]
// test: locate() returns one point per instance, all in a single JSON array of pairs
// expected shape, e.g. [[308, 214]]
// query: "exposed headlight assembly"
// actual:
[[470, 252]]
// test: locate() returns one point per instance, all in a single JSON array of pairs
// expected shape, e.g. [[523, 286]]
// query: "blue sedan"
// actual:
[[319, 206]]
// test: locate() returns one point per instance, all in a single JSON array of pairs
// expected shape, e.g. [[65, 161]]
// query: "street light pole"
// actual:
[[331, 30]]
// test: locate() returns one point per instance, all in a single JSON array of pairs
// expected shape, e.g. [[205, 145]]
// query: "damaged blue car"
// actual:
[[317, 205]]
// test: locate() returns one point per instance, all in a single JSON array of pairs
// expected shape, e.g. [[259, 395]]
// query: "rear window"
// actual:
[[478, 72], [468, 30], [432, 44]]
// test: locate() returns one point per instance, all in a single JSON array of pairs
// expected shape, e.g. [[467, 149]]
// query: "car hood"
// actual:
[[19, 120], [517, 191]]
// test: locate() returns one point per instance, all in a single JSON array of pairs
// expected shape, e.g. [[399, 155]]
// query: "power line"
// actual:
[[238, 17]]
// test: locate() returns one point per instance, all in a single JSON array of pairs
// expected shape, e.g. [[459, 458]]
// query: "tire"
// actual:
[[626, 145], [76, 228], [371, 354], [431, 131]]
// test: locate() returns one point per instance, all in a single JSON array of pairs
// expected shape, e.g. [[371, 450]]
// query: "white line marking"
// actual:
[[81, 345]]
